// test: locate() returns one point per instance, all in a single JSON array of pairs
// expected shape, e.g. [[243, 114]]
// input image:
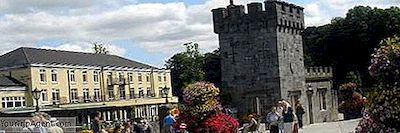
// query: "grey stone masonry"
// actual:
[[261, 54]]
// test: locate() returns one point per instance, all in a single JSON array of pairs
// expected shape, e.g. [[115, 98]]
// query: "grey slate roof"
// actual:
[[25, 56], [8, 81]]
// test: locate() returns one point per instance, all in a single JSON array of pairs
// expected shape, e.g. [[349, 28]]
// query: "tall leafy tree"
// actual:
[[212, 67], [186, 67], [346, 42]]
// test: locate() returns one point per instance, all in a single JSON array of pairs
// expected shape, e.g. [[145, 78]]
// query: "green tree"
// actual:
[[212, 67], [346, 43], [353, 77], [186, 67], [99, 48]]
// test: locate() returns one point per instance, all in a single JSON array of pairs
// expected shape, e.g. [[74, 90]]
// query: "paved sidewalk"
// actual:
[[348, 126]]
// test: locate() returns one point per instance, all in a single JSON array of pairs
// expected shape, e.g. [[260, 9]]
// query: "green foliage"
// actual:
[[191, 66], [352, 102], [99, 48], [384, 106], [353, 77], [212, 67], [346, 43]]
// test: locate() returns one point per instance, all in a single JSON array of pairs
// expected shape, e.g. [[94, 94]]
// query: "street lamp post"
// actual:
[[36, 96], [165, 91]]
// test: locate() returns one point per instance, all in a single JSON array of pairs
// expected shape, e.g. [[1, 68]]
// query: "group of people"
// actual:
[[40, 123], [168, 124], [284, 119], [127, 126]]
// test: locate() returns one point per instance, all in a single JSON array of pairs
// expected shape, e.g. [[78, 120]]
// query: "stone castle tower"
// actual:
[[261, 53]]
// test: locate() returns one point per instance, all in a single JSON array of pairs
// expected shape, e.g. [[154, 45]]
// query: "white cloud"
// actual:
[[321, 12], [314, 16], [86, 47], [155, 27]]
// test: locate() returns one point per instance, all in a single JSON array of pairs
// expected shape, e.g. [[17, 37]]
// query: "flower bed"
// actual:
[[201, 110], [383, 110]]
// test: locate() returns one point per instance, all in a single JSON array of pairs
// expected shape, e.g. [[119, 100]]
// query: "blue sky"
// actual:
[[149, 31]]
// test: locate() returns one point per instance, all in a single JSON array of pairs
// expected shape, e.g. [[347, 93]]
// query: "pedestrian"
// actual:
[[127, 127], [287, 116], [38, 121], [97, 122], [182, 128], [279, 108], [137, 128], [299, 113], [252, 125], [53, 126], [169, 121], [146, 126], [273, 120], [28, 127], [295, 125]]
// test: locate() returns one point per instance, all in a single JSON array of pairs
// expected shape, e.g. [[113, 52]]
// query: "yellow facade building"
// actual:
[[79, 84]]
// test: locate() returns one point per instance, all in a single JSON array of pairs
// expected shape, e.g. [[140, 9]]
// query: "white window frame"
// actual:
[[122, 89], [148, 90], [131, 93], [322, 98], [97, 94], [13, 100], [121, 76], [130, 77], [55, 94], [74, 95], [54, 75], [95, 76], [44, 95], [159, 78], [110, 89], [109, 77], [141, 93], [42, 75], [84, 76], [140, 77], [86, 97], [72, 76]]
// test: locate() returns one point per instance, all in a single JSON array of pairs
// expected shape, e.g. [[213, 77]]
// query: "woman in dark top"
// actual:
[[287, 116], [97, 123], [299, 113]]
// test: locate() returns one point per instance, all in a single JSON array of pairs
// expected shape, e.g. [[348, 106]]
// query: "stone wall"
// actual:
[[262, 55], [261, 52], [319, 82]]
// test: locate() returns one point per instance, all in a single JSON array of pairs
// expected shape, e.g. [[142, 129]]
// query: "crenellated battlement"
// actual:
[[319, 73], [277, 16]]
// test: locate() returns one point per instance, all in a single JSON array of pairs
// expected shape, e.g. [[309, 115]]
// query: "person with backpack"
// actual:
[[273, 120]]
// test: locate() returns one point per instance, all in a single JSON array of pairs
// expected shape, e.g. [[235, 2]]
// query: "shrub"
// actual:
[[201, 110], [383, 110]]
